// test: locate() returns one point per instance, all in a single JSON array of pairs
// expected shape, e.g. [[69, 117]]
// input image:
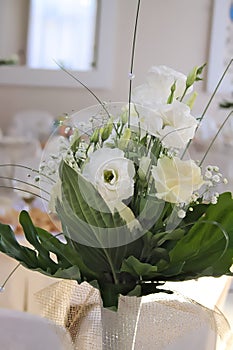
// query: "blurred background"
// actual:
[[93, 40], [175, 33]]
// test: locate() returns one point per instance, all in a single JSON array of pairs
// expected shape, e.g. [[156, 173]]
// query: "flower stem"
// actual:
[[216, 135], [9, 276], [24, 182], [209, 102], [25, 191], [28, 168], [184, 93], [132, 58], [215, 90]]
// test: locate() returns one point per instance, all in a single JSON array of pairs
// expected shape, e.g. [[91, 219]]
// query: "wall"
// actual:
[[171, 32], [13, 27]]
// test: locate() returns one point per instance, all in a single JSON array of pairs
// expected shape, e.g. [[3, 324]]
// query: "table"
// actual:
[[19, 293]]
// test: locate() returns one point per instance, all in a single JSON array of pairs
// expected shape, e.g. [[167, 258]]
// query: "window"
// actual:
[[101, 60], [221, 47], [62, 31]]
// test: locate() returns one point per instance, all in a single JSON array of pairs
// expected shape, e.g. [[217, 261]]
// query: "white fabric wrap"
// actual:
[[157, 321]]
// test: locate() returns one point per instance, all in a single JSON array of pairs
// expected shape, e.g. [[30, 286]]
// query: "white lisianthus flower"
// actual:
[[111, 173], [158, 86], [178, 124], [144, 120], [176, 179]]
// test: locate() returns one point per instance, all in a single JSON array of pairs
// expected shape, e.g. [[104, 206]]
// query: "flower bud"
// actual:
[[124, 116], [95, 136], [106, 131], [144, 167], [171, 96], [124, 140], [192, 100], [191, 78], [194, 75]]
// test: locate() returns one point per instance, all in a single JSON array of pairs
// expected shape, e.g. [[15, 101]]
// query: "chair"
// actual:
[[24, 331], [33, 124]]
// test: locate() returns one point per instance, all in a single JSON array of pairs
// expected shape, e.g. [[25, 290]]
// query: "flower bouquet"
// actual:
[[136, 211]]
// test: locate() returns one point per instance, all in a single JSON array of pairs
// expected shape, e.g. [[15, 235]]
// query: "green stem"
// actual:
[[132, 58], [25, 191], [216, 135], [184, 93], [24, 182], [28, 168], [87, 88], [9, 276], [209, 102], [215, 90], [111, 266]]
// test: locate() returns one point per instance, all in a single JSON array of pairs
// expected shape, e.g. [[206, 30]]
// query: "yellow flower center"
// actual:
[[110, 176]]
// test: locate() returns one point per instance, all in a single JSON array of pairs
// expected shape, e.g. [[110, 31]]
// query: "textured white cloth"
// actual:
[[157, 321]]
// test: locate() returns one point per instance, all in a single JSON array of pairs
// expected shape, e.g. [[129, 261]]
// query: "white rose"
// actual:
[[111, 173], [158, 86], [179, 125], [176, 179]]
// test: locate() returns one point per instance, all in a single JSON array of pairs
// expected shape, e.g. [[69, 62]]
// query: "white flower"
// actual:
[[111, 173], [158, 86], [178, 124], [176, 180], [144, 119]]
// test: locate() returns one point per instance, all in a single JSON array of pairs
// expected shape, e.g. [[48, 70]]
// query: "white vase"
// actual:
[[155, 322], [158, 324]]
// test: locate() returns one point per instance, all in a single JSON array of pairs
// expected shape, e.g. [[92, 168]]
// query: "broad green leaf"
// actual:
[[31, 234], [67, 253], [137, 268], [175, 235], [10, 246], [209, 242], [85, 201], [31, 259], [136, 292]]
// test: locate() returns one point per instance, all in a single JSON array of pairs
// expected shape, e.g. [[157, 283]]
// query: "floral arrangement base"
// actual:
[[152, 322], [156, 321]]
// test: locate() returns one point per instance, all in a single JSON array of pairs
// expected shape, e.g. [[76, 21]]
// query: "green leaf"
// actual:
[[85, 201], [32, 259], [85, 215], [138, 268], [31, 234], [67, 253], [169, 236], [209, 242], [136, 292], [10, 246]]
